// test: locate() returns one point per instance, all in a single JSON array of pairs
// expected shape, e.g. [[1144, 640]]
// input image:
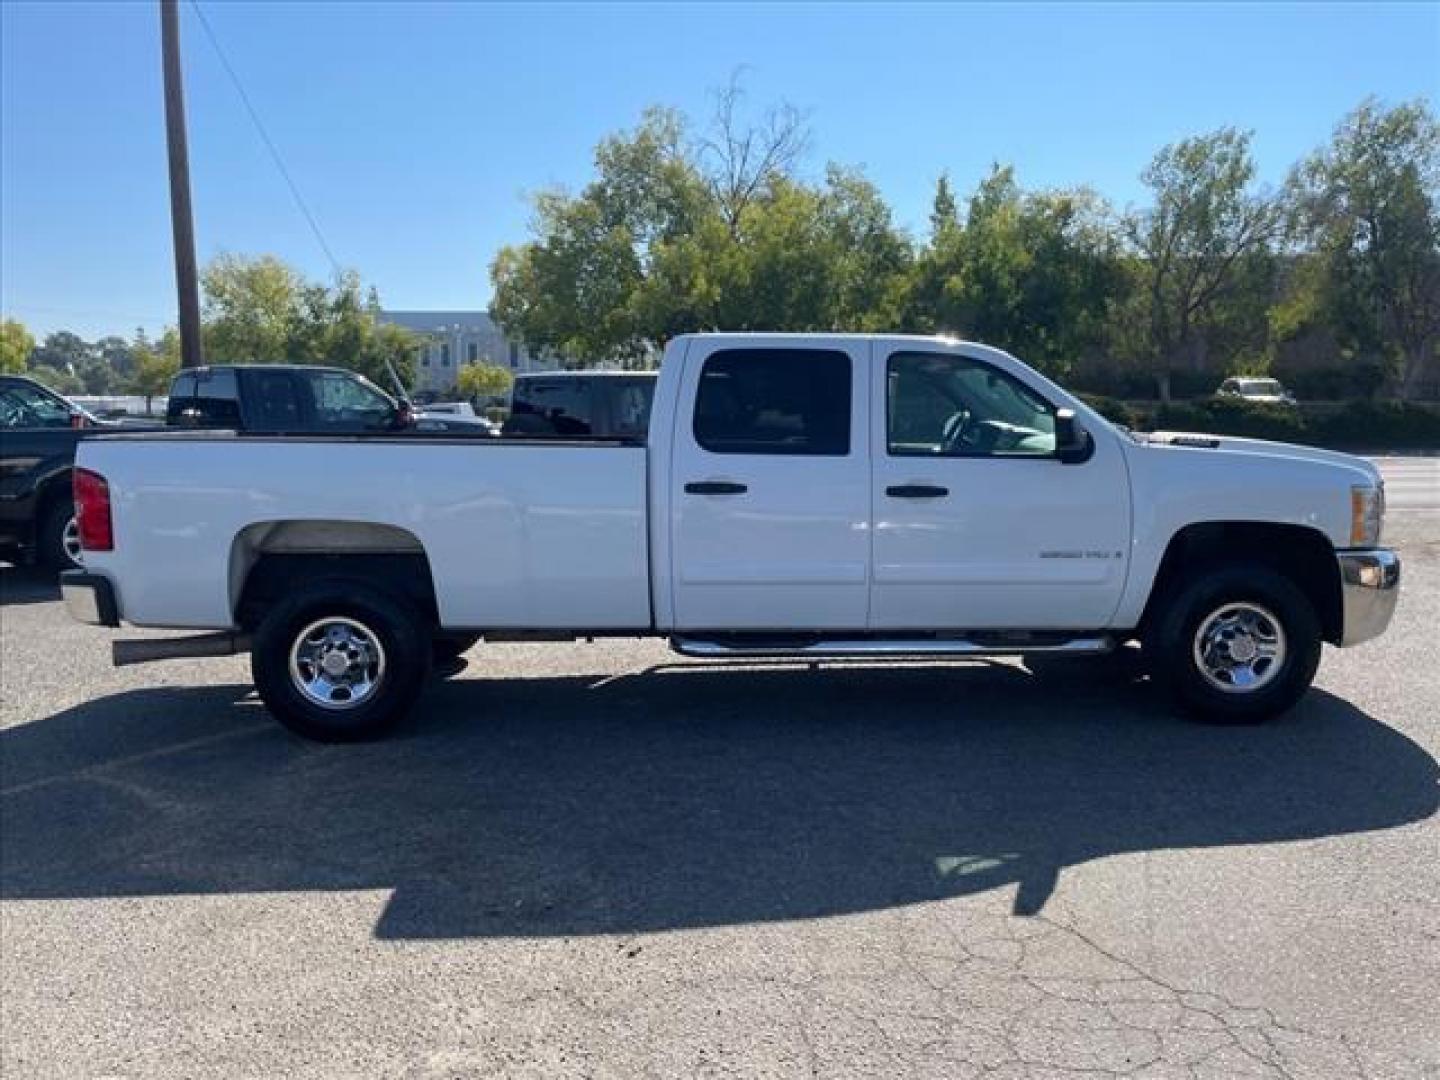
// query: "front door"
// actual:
[[978, 525], [771, 500]]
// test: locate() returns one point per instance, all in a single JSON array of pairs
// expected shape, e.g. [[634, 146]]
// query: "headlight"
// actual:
[[1367, 513]]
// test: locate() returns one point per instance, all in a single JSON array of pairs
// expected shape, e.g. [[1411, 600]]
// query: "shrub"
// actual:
[[1230, 416], [1380, 425], [1113, 409]]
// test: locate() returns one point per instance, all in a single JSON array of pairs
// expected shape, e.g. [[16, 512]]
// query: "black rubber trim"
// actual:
[[104, 593]]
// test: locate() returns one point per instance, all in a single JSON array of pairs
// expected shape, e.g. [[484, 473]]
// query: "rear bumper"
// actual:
[[89, 598], [1369, 588]]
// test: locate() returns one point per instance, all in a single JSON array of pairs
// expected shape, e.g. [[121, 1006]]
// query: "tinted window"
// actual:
[[630, 406], [347, 403], [274, 401], [551, 407], [23, 406], [953, 406], [774, 401]]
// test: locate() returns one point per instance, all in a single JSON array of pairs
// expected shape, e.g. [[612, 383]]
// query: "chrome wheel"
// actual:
[[337, 663], [1239, 648], [70, 542]]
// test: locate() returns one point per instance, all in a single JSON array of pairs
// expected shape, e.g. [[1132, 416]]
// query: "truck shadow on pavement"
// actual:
[[28, 585], [686, 796]]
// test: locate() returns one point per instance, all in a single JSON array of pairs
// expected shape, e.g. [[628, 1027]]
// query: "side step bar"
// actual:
[[181, 648], [709, 649]]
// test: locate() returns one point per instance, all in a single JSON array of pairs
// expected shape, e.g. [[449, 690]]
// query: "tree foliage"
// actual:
[[155, 365], [1207, 231], [679, 233], [15, 346], [483, 380], [1368, 207], [259, 310], [1029, 272]]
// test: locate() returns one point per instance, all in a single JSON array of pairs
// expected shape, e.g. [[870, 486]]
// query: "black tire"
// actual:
[[1266, 598], [50, 539], [404, 641]]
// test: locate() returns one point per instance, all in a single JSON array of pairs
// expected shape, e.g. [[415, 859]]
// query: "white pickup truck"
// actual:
[[805, 496]]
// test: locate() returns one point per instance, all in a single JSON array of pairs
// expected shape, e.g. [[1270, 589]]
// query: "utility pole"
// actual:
[[182, 221]]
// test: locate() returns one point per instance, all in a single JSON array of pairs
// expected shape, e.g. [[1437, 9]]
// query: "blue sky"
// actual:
[[415, 131]]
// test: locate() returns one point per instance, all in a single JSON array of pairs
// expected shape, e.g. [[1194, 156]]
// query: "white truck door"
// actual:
[[978, 525], [770, 518]]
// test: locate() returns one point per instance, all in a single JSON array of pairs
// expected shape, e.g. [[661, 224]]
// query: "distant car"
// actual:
[[1260, 391], [452, 416], [38, 433], [581, 404]]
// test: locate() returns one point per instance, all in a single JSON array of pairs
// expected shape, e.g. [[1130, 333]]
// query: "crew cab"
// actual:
[[804, 496]]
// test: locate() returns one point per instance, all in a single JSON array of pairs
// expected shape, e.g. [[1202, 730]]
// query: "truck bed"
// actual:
[[518, 533]]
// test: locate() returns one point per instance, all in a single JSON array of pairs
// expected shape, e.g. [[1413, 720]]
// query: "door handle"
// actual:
[[917, 491], [715, 487]]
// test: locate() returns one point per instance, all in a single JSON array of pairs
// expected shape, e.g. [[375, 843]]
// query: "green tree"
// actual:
[[483, 380], [1030, 272], [1204, 234], [944, 210], [1367, 207], [675, 235], [61, 350], [115, 351], [259, 310], [96, 376], [155, 366], [15, 346]]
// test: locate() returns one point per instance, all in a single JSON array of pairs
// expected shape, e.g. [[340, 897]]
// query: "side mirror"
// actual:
[[1073, 443]]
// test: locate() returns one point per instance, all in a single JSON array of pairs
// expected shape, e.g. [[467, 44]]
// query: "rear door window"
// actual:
[[275, 402], [774, 401]]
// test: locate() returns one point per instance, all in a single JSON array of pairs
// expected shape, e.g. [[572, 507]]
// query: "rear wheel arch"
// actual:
[[270, 560], [1302, 554]]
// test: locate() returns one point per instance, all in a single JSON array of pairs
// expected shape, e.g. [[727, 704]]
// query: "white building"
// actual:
[[455, 338]]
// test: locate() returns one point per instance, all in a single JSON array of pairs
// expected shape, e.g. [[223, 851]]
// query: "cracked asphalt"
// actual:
[[602, 861]]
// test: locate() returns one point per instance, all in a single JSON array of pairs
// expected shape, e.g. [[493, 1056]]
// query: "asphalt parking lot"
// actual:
[[599, 860]]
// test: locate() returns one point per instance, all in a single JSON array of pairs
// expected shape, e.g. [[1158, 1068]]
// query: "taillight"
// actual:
[[92, 511]]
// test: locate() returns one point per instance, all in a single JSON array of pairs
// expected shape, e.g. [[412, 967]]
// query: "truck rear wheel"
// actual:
[[1237, 644], [340, 661]]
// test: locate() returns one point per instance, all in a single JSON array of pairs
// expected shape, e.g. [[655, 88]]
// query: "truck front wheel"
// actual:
[[1237, 644], [339, 661]]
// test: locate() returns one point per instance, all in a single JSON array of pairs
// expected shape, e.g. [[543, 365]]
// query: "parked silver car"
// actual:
[[1259, 390]]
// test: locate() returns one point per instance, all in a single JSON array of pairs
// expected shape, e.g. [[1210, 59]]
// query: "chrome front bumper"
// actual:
[[1369, 587]]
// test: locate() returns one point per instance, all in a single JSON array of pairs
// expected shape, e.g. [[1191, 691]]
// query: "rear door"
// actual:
[[771, 504]]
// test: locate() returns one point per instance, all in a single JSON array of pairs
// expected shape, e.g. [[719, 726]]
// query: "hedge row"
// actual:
[[1368, 425]]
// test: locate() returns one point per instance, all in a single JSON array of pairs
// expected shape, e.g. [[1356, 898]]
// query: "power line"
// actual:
[[265, 137]]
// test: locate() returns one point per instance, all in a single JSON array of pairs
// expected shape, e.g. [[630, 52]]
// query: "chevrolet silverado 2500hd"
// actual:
[[796, 495]]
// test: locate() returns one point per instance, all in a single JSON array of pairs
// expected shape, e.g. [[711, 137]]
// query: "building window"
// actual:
[[514, 355], [445, 355], [472, 352], [425, 355]]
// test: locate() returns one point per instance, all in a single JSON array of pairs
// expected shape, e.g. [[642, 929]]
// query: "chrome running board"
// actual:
[[840, 648]]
